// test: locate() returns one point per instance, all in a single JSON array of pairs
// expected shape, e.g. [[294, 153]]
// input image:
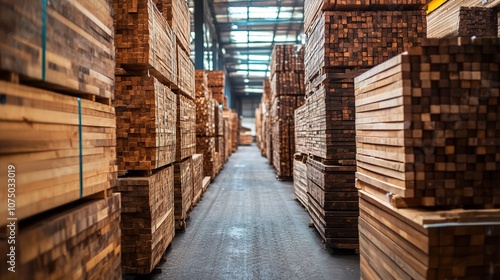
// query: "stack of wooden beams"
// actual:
[[301, 129], [220, 150], [206, 147], [86, 244], [185, 74], [216, 84], [205, 117], [423, 146], [186, 128], [246, 138], [58, 140], [227, 133], [287, 94], [177, 14], [235, 130], [465, 18], [147, 219], [344, 39], [267, 131], [197, 177], [183, 191], [258, 127], [300, 179]]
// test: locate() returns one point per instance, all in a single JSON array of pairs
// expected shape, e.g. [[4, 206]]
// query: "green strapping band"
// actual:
[[80, 144], [44, 36]]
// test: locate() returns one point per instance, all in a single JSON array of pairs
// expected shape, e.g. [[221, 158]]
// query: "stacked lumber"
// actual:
[[300, 179], [246, 138], [235, 130], [78, 241], [301, 129], [186, 128], [146, 123], [183, 191], [62, 45], [64, 146], [185, 73], [147, 220], [227, 133], [144, 40], [287, 59], [464, 18], [197, 177], [201, 84], [206, 147], [288, 83], [220, 149], [425, 244], [266, 102], [177, 14], [219, 121], [258, 126], [205, 116], [216, 84]]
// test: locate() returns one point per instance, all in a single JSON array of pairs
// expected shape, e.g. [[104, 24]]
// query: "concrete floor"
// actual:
[[249, 226]]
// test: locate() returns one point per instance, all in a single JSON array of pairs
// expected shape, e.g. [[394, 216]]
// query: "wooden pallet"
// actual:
[[146, 113], [417, 139], [62, 148], [147, 220], [144, 40], [183, 191], [206, 147], [185, 73], [66, 46], [197, 177], [300, 181], [464, 18], [177, 14], [342, 39], [427, 244], [186, 128], [81, 240], [287, 58]]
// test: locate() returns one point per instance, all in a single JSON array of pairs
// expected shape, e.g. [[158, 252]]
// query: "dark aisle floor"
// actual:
[[249, 226]]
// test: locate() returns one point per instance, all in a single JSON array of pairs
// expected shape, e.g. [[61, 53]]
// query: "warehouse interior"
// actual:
[[250, 139]]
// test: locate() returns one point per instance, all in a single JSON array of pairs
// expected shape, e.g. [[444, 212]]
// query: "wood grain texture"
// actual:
[[197, 177], [147, 220], [301, 129], [78, 241], [72, 51], [286, 58], [300, 180], [144, 40], [205, 116], [426, 124], [146, 114], [183, 191], [177, 14], [219, 121], [186, 128], [41, 132], [185, 74], [201, 84], [206, 147]]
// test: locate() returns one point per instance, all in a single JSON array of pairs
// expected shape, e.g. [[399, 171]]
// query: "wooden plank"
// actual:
[[183, 191], [177, 14], [197, 169], [185, 73], [300, 182], [186, 128]]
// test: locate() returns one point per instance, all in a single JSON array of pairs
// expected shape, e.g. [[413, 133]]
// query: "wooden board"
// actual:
[[146, 113], [418, 139], [360, 39], [197, 177], [300, 181], [206, 183], [220, 148], [185, 73], [177, 14], [201, 84], [288, 83], [301, 129], [246, 138], [463, 18], [186, 128], [206, 147], [287, 58], [183, 191], [426, 244], [205, 116], [144, 40], [227, 137], [65, 46], [81, 240], [219, 121], [147, 221], [216, 78], [62, 148]]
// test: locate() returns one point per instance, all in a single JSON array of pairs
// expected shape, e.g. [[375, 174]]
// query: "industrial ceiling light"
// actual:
[[246, 80], [234, 26]]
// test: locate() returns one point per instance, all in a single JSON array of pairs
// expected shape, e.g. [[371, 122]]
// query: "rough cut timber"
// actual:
[[258, 126], [177, 14], [78, 241], [218, 94], [146, 123], [217, 163], [301, 129], [300, 180], [205, 116], [186, 128], [313, 8], [197, 177], [454, 20], [147, 220], [357, 39], [235, 129], [183, 191], [216, 78], [201, 84], [206, 147], [227, 132], [219, 121], [333, 203], [246, 138], [70, 51], [427, 124], [185, 73], [421, 244], [63, 148], [288, 83], [144, 40], [287, 58], [220, 148]]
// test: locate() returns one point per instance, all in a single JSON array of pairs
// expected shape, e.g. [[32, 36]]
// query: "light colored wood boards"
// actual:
[[219, 121], [300, 180], [428, 135], [177, 14], [206, 147], [147, 220], [146, 122], [246, 138], [205, 116], [144, 40], [186, 128], [64, 148], [197, 177], [185, 73], [201, 84], [62, 45], [78, 241], [183, 191]]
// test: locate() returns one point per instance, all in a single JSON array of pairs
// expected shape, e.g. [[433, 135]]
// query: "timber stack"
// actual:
[[267, 131], [220, 141], [258, 127], [342, 41], [287, 94], [425, 156], [216, 85], [300, 156], [197, 177], [58, 128]]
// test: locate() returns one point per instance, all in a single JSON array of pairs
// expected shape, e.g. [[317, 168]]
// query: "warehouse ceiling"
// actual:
[[247, 32]]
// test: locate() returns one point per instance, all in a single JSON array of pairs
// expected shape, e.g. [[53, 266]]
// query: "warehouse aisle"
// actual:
[[249, 226]]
